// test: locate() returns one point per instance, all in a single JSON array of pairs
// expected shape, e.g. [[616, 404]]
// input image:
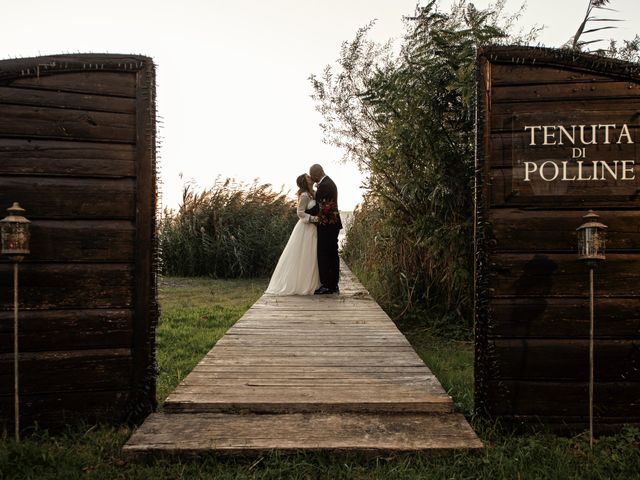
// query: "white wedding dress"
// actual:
[[297, 269]]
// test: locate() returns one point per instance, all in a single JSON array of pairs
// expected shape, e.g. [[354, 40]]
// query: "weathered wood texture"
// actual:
[[532, 310], [347, 336], [70, 159], [189, 434], [297, 373], [77, 150]]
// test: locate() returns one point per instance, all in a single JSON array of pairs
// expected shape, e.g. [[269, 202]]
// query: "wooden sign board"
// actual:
[[77, 150], [558, 134]]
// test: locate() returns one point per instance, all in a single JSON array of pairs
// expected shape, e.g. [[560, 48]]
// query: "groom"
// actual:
[[326, 216]]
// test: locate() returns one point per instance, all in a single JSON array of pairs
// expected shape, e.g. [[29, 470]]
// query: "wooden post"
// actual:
[[591, 309], [143, 399], [16, 396]]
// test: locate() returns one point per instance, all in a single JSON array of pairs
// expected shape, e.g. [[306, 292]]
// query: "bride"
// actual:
[[297, 269]]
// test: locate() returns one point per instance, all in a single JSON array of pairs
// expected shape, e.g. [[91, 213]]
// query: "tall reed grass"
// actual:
[[231, 230], [416, 269]]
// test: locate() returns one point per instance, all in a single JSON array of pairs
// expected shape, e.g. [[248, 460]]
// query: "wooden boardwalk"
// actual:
[[308, 373]]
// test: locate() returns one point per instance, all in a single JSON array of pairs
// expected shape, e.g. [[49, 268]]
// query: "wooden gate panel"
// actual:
[[531, 303], [77, 150]]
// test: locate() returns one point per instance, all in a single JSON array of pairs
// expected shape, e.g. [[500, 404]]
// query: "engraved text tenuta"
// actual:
[[579, 136]]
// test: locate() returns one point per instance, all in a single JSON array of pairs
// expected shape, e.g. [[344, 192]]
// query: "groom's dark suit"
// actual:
[[328, 230]]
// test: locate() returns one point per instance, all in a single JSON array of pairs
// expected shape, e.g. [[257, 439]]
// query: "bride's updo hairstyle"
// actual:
[[301, 181]]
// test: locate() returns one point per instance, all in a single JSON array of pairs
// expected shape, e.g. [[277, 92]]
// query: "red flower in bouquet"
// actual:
[[328, 214]]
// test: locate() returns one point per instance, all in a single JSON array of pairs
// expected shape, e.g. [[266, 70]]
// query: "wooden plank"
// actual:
[[202, 382], [71, 159], [225, 348], [566, 359], [331, 318], [254, 434], [310, 361], [571, 426], [301, 342], [372, 333], [364, 338], [122, 84], [65, 100], [540, 399], [201, 378], [261, 317], [559, 92], [292, 371], [67, 371], [306, 403], [259, 371], [570, 106], [267, 302], [562, 275], [82, 241], [56, 123], [289, 384], [67, 329], [408, 392], [520, 230], [511, 118], [50, 198], [58, 410], [344, 315], [73, 286], [511, 74], [564, 317], [265, 326]]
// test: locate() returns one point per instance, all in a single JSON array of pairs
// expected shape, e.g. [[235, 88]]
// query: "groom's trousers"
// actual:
[[328, 260]]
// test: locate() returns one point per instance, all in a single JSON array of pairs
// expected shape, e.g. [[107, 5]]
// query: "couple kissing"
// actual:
[[309, 263]]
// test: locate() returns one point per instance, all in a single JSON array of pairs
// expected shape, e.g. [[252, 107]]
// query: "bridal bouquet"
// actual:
[[328, 214]]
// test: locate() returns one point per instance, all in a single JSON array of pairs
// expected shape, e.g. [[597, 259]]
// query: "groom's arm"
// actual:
[[313, 210], [320, 197]]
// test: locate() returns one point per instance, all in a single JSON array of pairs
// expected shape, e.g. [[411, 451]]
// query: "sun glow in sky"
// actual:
[[233, 88]]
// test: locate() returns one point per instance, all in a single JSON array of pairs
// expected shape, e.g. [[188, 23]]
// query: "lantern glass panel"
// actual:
[[590, 236], [591, 242], [15, 234], [15, 239]]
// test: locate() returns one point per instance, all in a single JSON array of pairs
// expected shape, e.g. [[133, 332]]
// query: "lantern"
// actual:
[[15, 244], [591, 243], [591, 239], [15, 234]]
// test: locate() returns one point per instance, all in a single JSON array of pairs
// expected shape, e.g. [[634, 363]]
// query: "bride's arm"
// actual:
[[303, 201]]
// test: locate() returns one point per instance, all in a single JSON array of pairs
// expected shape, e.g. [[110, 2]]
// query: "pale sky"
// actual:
[[232, 76]]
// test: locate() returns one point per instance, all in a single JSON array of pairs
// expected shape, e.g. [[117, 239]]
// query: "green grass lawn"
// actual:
[[196, 312]]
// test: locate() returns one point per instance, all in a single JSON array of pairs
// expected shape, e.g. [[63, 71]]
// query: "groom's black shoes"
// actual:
[[325, 291]]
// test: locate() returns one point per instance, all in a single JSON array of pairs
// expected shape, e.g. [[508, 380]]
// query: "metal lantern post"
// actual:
[[591, 245], [15, 244]]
